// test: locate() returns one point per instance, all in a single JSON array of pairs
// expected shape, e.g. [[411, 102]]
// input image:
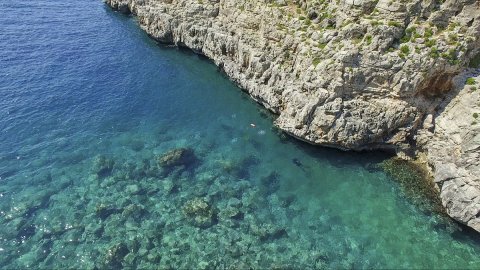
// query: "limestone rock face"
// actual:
[[454, 152], [350, 74]]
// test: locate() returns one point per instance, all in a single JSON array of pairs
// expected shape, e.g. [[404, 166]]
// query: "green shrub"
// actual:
[[321, 45], [368, 39], [405, 49], [434, 52], [430, 42], [405, 39], [452, 26], [410, 30], [470, 81], [316, 61], [475, 115], [407, 36], [450, 55], [428, 33], [452, 38], [394, 23]]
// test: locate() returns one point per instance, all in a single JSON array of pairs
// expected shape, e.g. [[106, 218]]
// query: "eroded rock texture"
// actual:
[[454, 151]]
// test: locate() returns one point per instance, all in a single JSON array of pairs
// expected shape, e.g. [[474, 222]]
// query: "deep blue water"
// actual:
[[89, 105]]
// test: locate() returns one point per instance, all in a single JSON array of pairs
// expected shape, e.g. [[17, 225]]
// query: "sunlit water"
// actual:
[[88, 107]]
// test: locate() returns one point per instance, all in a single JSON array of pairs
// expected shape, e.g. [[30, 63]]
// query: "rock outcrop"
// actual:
[[454, 151], [350, 74], [177, 157], [200, 212]]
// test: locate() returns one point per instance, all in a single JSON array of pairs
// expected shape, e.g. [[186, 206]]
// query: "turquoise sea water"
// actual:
[[89, 106]]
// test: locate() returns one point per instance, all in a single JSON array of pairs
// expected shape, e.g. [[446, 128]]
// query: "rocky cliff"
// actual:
[[453, 149], [351, 74]]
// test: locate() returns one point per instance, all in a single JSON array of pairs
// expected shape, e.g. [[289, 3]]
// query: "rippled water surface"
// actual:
[[115, 152]]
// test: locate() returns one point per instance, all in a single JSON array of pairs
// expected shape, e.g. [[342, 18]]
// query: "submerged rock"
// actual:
[[232, 212], [270, 183], [135, 171], [133, 210], [177, 157], [200, 212], [168, 186], [94, 229], [240, 169], [102, 166], [115, 255], [103, 211], [26, 232], [415, 183], [133, 189], [267, 232], [239, 265], [137, 145], [129, 260]]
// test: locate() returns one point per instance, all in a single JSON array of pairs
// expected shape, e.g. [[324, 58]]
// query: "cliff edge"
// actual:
[[350, 74], [453, 149]]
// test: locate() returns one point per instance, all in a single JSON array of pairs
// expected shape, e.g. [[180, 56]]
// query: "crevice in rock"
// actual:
[[437, 85]]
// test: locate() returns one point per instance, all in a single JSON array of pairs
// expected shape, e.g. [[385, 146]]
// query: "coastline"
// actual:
[[354, 113]]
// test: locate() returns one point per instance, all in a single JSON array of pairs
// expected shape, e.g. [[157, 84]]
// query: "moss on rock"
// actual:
[[416, 184]]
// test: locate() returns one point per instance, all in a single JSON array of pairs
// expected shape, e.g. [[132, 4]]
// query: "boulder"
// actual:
[[200, 212], [177, 157]]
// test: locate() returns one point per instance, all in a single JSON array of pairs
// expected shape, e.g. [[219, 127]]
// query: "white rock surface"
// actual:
[[454, 151]]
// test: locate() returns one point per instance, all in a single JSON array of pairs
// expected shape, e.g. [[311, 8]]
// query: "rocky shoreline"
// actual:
[[354, 75]]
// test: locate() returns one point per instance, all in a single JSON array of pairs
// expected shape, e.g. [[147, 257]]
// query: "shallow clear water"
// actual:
[[90, 105]]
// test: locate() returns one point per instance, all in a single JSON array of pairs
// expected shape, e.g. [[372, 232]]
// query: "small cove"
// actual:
[[96, 92]]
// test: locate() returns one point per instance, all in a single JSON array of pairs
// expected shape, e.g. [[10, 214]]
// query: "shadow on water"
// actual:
[[466, 234], [336, 157]]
